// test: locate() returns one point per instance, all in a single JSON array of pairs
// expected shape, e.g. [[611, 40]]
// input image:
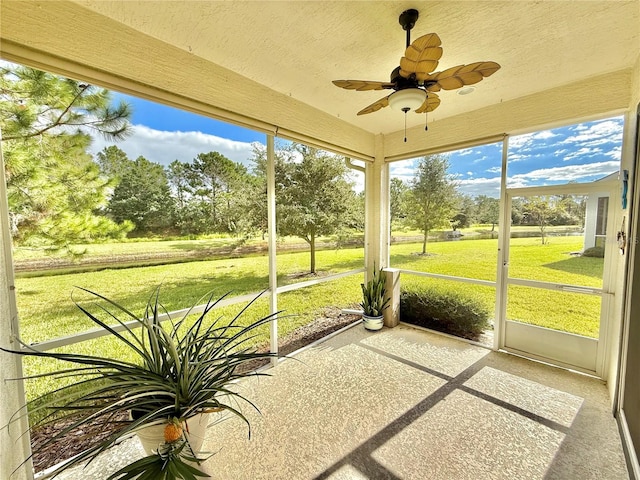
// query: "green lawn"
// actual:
[[529, 259], [47, 311]]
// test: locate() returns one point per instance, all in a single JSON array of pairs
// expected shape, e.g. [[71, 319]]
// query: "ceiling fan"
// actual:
[[413, 83]]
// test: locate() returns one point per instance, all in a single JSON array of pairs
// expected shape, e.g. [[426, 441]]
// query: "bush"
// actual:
[[447, 311], [594, 252]]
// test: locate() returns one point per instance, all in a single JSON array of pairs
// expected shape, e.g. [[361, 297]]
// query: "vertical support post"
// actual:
[[392, 287], [14, 447], [502, 273], [271, 227], [376, 190]]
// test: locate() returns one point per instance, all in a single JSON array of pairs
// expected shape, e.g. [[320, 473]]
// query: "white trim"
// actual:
[[446, 148], [271, 229], [475, 281], [502, 267], [316, 281], [15, 395], [563, 287], [566, 188], [561, 348], [101, 332], [632, 458], [608, 315]]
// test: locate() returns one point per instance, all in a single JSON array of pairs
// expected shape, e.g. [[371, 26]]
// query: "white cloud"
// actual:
[[516, 157], [480, 186], [544, 135], [481, 159], [164, 147], [582, 152], [567, 174], [597, 134], [521, 142], [494, 170], [615, 152], [465, 151], [402, 169]]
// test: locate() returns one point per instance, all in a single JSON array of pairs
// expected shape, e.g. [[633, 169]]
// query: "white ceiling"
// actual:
[[298, 47]]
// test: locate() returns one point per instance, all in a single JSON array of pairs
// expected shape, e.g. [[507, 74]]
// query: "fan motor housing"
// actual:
[[402, 82]]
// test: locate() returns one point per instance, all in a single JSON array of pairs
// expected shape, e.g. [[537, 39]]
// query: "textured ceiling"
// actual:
[[297, 48]]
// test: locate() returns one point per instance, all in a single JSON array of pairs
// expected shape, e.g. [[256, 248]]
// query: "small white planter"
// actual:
[[372, 323], [152, 437]]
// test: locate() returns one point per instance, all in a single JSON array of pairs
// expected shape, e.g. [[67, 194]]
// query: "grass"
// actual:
[[529, 259], [142, 246], [47, 311]]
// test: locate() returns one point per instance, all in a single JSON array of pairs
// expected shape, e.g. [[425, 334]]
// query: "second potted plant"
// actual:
[[373, 301]]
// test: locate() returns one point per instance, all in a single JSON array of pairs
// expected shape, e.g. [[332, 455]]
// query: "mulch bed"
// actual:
[[79, 440]]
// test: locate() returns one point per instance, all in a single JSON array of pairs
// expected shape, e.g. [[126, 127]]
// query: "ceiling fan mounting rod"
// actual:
[[408, 20]]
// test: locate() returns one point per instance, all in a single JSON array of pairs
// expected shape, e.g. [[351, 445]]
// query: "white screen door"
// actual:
[[555, 298]]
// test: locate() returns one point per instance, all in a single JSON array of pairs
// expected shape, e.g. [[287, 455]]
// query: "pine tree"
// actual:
[[55, 190]]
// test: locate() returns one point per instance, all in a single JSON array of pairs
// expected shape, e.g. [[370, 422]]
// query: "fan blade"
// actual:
[[374, 107], [421, 57], [362, 85], [461, 75], [430, 104]]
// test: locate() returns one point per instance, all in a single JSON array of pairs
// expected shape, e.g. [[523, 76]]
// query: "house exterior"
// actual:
[[596, 216]]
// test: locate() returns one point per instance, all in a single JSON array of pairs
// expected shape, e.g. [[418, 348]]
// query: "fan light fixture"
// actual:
[[407, 99]]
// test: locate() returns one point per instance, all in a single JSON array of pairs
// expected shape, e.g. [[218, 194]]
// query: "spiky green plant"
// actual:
[[373, 295], [179, 371]]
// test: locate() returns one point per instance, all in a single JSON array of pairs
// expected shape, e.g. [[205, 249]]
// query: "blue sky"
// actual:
[[582, 153]]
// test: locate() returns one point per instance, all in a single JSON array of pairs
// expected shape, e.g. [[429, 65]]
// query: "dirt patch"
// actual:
[[79, 440]]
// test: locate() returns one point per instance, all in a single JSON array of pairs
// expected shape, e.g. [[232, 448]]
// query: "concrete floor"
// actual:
[[407, 404]]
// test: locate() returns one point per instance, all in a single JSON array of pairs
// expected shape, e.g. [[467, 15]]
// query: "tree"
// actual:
[[517, 211], [465, 212], [313, 196], [573, 210], [55, 191], [539, 211], [432, 196], [189, 216], [142, 196], [216, 181], [113, 162], [397, 201], [487, 210]]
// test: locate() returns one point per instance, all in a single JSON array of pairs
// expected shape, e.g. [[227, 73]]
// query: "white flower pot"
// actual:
[[372, 323], [152, 437]]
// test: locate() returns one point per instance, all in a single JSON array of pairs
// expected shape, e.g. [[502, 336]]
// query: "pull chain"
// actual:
[[426, 118], [405, 110]]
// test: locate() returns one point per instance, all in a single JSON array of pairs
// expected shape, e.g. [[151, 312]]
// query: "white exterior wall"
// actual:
[[590, 221]]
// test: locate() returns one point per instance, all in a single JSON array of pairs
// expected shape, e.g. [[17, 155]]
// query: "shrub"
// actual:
[[594, 252], [447, 311]]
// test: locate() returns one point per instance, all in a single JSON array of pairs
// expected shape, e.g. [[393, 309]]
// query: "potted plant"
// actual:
[[182, 369], [373, 301]]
